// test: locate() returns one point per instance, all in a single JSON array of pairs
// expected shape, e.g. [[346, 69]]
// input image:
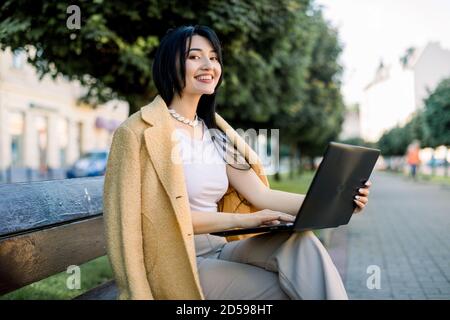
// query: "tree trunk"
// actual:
[[277, 176], [446, 162], [433, 164], [292, 156], [311, 162], [300, 169]]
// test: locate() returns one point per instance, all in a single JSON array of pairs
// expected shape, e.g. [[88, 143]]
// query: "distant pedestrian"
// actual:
[[412, 157]]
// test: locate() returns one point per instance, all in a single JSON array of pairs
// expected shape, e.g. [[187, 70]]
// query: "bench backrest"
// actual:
[[47, 226]]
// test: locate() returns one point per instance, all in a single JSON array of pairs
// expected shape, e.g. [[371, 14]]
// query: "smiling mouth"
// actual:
[[205, 79]]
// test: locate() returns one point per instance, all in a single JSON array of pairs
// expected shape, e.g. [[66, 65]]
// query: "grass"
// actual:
[[435, 179], [92, 274], [424, 178], [299, 184], [98, 271]]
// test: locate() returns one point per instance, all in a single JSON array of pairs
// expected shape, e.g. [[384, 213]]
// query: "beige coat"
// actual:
[[148, 226]]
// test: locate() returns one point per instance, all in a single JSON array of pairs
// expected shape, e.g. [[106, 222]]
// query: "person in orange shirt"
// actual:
[[412, 157]]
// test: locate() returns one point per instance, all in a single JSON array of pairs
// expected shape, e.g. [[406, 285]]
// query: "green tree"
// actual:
[[394, 142], [437, 114], [280, 57], [359, 142], [437, 117], [112, 53], [416, 129], [316, 118]]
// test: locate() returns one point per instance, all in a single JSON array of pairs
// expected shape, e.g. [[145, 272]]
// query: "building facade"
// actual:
[[351, 127], [43, 129], [398, 90]]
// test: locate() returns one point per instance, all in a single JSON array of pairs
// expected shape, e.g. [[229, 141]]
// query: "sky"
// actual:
[[375, 30]]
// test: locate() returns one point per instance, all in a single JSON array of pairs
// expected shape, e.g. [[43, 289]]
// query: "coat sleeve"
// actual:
[[122, 216]]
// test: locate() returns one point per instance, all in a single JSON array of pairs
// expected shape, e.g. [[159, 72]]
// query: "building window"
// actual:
[[63, 136], [41, 123], [18, 59], [16, 130], [80, 146]]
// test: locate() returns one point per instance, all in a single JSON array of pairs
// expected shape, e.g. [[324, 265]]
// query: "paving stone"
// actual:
[[404, 231]]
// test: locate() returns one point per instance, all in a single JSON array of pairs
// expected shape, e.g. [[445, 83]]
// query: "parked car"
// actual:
[[436, 162], [90, 164]]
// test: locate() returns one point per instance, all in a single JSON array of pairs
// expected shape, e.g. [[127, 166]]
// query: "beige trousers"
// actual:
[[280, 265]]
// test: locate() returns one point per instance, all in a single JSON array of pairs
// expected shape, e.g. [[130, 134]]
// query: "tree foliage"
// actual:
[[437, 115], [112, 52], [317, 115], [394, 142], [430, 126], [280, 57]]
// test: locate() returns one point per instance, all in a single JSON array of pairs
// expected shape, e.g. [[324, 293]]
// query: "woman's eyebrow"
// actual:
[[198, 49]]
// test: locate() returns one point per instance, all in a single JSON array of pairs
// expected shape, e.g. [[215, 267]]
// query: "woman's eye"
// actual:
[[197, 57]]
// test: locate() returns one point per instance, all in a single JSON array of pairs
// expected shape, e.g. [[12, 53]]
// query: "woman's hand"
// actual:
[[362, 199], [263, 217]]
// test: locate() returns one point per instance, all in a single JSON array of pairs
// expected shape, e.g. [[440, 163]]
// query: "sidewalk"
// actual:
[[405, 231]]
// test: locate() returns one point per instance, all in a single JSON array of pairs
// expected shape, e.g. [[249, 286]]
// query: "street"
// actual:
[[404, 233]]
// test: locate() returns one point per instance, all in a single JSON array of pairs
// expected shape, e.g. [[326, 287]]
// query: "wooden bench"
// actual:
[[47, 226]]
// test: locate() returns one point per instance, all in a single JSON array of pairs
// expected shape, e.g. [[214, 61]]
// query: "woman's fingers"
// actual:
[[272, 222], [362, 199], [360, 205], [268, 218], [287, 218], [277, 216], [363, 191], [284, 217]]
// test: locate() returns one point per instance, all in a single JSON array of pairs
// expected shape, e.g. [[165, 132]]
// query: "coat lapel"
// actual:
[[162, 147]]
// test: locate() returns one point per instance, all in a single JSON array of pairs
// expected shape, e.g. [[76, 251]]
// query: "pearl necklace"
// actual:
[[192, 123]]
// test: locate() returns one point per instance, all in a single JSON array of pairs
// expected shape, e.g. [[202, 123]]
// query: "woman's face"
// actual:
[[202, 67]]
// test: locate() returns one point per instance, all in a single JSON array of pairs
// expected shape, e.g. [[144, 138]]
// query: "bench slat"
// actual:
[[31, 257], [27, 206]]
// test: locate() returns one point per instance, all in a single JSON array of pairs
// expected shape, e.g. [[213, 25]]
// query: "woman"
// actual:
[[161, 200]]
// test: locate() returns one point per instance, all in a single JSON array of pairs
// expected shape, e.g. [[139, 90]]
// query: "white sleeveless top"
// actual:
[[206, 181]]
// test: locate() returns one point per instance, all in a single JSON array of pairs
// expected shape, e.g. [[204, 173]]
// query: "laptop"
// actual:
[[329, 200]]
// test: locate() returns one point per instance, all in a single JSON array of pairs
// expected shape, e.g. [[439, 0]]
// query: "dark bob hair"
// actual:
[[170, 80]]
